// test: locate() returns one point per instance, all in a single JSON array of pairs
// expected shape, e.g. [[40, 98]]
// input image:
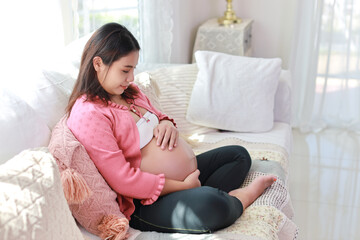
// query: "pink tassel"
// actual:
[[75, 188], [114, 228]]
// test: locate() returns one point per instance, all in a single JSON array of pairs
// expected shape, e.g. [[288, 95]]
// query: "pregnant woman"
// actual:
[[161, 185]]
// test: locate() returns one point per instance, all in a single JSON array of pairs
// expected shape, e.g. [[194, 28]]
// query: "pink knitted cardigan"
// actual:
[[111, 138]]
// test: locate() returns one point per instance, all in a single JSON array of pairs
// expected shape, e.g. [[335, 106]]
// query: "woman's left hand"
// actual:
[[166, 134]]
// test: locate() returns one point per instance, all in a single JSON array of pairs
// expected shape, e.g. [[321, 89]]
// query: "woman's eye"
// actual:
[[125, 71]]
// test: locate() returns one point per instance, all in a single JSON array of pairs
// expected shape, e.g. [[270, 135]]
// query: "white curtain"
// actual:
[[156, 26], [70, 19], [325, 65]]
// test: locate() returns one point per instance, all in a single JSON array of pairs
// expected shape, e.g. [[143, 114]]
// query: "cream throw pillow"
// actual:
[[32, 202], [234, 93], [21, 126], [169, 89]]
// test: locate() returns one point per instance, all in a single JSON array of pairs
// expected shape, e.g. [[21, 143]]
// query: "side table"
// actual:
[[234, 39]]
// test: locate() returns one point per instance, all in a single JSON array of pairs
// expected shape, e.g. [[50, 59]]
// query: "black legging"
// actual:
[[204, 209]]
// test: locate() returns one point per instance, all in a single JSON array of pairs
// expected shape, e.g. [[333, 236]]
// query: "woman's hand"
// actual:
[[192, 181], [166, 134]]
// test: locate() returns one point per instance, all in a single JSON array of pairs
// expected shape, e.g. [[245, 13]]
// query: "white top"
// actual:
[[146, 126]]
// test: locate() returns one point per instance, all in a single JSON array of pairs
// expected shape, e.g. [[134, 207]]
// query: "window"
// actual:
[[92, 14]]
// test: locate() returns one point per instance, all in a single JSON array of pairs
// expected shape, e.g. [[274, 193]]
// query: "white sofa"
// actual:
[[32, 205]]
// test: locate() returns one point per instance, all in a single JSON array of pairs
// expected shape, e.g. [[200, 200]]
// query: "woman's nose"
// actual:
[[131, 77]]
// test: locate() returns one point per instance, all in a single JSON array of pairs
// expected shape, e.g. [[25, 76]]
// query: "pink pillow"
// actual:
[[91, 200]]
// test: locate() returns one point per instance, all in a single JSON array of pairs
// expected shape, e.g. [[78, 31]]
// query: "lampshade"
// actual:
[[229, 15]]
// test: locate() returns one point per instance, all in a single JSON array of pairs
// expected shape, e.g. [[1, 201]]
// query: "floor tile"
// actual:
[[319, 221], [324, 184], [329, 144]]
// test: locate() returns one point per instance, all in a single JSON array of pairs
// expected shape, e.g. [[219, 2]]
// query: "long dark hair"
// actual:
[[110, 42]]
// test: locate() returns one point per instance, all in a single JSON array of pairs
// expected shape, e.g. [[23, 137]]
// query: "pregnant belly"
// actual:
[[176, 164]]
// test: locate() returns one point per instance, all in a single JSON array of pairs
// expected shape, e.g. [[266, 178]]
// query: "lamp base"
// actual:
[[229, 16], [226, 21]]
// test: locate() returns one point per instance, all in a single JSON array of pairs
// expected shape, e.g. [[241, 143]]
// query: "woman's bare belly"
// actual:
[[176, 164]]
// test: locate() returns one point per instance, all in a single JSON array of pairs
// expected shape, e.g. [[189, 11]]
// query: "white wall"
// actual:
[[272, 33]]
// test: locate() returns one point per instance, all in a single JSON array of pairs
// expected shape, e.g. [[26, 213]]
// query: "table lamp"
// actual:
[[229, 16]]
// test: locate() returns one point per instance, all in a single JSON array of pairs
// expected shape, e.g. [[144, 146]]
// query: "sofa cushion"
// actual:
[[98, 212], [32, 203], [48, 88], [21, 126], [175, 85], [282, 108], [234, 93]]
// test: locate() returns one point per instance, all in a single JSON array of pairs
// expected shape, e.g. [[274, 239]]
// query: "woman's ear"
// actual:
[[97, 63]]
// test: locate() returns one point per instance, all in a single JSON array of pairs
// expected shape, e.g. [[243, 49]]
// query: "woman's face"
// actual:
[[116, 77]]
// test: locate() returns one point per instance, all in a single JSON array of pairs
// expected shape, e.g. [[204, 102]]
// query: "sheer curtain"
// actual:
[[156, 30], [325, 65]]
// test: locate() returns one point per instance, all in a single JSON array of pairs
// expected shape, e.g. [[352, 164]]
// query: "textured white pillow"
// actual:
[[175, 85], [233, 92], [32, 202], [149, 88]]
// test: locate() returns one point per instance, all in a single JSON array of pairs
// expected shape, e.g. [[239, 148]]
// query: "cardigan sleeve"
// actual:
[[94, 130]]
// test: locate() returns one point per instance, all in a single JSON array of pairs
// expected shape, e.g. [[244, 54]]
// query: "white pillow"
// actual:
[[63, 69], [21, 127], [32, 201], [233, 92], [52, 89]]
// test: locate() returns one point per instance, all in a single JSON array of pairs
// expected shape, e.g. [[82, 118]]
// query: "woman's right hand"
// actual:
[[192, 180]]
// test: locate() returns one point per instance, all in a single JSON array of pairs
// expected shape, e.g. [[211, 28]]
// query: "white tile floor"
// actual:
[[325, 184]]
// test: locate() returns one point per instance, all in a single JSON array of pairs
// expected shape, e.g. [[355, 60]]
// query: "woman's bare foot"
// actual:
[[250, 193]]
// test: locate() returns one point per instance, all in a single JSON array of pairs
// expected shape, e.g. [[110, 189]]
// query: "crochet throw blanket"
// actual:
[[270, 216]]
